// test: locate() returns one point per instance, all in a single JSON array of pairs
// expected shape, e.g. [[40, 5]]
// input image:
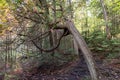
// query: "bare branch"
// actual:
[[48, 50], [29, 18]]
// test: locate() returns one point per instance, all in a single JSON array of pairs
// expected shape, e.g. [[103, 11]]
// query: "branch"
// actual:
[[29, 18], [37, 36], [48, 50]]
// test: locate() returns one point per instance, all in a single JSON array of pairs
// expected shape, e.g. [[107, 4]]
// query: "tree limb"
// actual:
[[48, 50]]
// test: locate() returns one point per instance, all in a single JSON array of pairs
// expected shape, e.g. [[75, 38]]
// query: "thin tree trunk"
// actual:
[[106, 19], [70, 4]]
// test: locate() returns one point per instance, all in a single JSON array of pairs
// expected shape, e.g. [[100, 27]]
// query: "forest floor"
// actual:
[[108, 69]]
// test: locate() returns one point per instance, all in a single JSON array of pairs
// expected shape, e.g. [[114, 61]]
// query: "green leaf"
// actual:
[[100, 49]]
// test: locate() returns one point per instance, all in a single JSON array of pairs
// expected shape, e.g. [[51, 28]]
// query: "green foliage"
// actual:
[[98, 42], [113, 55], [86, 78], [3, 3]]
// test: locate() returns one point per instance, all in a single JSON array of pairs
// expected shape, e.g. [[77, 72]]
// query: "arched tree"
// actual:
[[40, 18]]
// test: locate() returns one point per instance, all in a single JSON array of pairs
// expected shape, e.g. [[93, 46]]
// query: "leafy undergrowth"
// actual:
[[98, 42], [106, 53]]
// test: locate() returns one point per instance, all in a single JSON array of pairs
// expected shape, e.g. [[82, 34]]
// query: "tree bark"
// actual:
[[84, 48], [106, 20], [75, 47]]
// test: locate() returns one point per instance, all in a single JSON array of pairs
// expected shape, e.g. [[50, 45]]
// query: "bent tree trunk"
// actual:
[[84, 48], [81, 45]]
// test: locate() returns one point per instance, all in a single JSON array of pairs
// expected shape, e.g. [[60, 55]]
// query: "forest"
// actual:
[[59, 39]]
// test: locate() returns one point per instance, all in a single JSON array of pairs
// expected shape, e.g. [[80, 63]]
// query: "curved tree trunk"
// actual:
[[81, 45], [84, 48]]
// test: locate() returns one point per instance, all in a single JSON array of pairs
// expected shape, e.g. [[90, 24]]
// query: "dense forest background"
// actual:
[[33, 38]]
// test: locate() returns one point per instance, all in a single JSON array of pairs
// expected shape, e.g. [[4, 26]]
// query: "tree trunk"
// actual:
[[84, 48], [106, 20], [75, 47]]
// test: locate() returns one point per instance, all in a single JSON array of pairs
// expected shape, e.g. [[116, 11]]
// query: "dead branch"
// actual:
[[48, 50], [29, 18]]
